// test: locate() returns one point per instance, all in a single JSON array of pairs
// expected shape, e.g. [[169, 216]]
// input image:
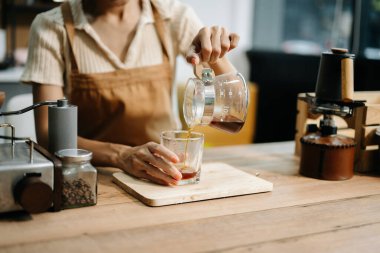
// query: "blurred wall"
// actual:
[[237, 16]]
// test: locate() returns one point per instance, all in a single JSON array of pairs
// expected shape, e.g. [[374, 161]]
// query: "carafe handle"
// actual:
[[203, 73]]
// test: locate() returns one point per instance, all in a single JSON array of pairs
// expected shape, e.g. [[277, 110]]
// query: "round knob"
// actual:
[[33, 195], [312, 128], [329, 130]]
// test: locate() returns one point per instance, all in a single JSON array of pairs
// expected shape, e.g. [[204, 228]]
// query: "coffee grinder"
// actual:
[[324, 153]]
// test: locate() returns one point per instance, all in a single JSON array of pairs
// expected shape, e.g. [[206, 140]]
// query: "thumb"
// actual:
[[192, 57]]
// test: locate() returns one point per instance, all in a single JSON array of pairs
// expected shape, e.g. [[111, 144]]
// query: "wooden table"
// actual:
[[300, 215]]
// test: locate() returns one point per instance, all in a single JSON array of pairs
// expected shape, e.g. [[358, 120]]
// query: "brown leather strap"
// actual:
[[159, 24], [70, 29]]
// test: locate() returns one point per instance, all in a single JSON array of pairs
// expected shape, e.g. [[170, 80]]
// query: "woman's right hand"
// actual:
[[150, 161], [211, 44]]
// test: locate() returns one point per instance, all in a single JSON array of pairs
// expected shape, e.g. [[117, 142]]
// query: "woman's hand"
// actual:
[[211, 44], [151, 161]]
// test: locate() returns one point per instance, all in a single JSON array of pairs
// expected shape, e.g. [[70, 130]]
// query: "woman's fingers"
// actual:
[[155, 173], [216, 33], [160, 150], [152, 161], [211, 44], [234, 38], [168, 168], [160, 160], [153, 179], [192, 56], [225, 43], [205, 44]]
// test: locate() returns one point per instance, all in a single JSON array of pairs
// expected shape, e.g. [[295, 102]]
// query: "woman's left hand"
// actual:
[[211, 44]]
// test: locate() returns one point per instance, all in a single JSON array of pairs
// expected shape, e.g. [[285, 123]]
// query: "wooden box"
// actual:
[[361, 126]]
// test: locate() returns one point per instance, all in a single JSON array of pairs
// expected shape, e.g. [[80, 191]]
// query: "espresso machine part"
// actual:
[[325, 154], [63, 126], [30, 177], [33, 194], [220, 102], [35, 184]]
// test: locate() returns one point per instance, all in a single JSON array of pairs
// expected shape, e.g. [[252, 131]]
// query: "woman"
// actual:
[[114, 59]]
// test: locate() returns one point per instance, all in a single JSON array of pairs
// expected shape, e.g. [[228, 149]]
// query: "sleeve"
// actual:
[[186, 26], [45, 63]]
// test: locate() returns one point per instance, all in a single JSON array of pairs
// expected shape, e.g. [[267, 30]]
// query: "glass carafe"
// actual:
[[220, 102]]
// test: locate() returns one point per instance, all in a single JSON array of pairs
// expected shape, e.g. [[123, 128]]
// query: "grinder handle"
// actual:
[[347, 65]]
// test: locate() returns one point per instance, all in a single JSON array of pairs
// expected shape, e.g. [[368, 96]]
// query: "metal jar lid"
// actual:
[[74, 155]]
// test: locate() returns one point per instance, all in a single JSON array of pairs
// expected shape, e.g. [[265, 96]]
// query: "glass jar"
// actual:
[[220, 102], [79, 178]]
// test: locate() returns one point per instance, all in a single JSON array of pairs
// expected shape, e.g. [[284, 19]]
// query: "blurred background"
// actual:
[[279, 51]]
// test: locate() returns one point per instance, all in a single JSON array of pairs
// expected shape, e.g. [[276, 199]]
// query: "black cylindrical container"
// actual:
[[335, 76]]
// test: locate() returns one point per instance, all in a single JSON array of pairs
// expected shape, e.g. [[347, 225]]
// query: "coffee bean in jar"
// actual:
[[79, 178]]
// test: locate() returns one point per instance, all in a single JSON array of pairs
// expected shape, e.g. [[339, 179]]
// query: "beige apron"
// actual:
[[126, 106]]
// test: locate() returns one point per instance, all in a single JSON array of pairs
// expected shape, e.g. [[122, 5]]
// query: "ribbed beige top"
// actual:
[[48, 57]]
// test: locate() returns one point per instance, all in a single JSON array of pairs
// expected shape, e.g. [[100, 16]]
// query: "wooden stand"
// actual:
[[361, 127], [2, 98]]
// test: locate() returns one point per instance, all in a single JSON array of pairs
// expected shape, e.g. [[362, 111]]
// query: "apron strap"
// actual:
[[70, 29], [160, 28]]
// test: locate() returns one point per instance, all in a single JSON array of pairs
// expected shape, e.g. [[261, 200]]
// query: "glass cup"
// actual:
[[189, 148]]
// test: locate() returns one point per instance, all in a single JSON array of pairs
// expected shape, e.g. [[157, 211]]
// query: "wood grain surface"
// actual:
[[300, 215]]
